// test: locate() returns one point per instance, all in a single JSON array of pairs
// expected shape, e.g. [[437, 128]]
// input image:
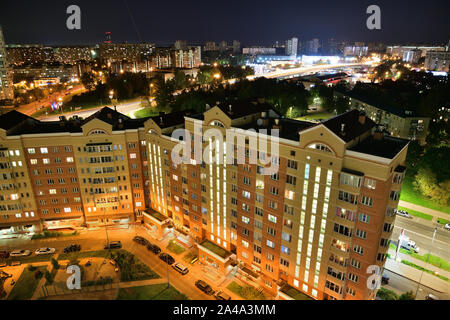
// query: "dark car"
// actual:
[[141, 240], [72, 248], [384, 279], [153, 248], [4, 254], [3, 274], [167, 258], [202, 285], [113, 245]]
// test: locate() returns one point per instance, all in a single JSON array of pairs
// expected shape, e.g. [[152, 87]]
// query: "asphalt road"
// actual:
[[125, 108], [400, 284], [95, 240], [421, 232]]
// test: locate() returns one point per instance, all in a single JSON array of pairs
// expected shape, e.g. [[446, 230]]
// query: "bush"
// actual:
[[386, 294], [31, 268], [407, 296], [55, 264], [38, 274], [49, 277]]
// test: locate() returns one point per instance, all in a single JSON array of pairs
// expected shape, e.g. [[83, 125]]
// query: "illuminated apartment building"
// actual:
[[313, 226], [6, 80], [70, 172]]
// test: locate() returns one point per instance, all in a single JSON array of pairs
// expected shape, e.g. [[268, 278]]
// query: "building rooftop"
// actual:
[[221, 252], [386, 147], [289, 128], [294, 293], [347, 125], [381, 99]]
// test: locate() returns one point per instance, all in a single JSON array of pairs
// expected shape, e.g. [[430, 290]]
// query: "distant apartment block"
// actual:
[[6, 81], [398, 122], [437, 61], [292, 47], [253, 51]]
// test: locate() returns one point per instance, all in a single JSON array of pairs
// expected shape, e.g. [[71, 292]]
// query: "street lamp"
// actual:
[[428, 257]]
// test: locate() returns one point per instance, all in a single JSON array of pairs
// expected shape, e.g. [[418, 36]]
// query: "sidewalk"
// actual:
[[421, 263], [416, 275], [435, 213]]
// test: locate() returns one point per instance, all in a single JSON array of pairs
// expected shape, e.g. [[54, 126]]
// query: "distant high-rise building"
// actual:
[[236, 46], [6, 81], [210, 46], [312, 46], [331, 47], [223, 46], [292, 47], [437, 61], [180, 44], [108, 38]]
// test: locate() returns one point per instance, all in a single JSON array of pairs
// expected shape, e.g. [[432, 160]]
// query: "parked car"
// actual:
[[113, 245], [167, 258], [72, 248], [447, 226], [202, 285], [403, 213], [3, 274], [42, 251], [385, 279], [180, 268], [4, 254], [431, 297], [20, 253], [407, 244], [153, 248], [141, 240], [222, 296]]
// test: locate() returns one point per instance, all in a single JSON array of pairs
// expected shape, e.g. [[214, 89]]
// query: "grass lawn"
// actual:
[[132, 269], [443, 221], [86, 254], [25, 286], [316, 116], [425, 270], [432, 259], [247, 292], [146, 112], [31, 259], [410, 195], [417, 213], [151, 292], [52, 234], [175, 247]]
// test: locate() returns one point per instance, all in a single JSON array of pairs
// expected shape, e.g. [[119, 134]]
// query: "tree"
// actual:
[[88, 80], [48, 276], [386, 294], [55, 263], [407, 296]]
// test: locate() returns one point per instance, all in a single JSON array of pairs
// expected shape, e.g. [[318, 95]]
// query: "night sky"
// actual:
[[251, 22]]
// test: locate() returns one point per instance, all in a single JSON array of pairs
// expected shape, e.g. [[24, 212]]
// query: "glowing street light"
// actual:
[[217, 75]]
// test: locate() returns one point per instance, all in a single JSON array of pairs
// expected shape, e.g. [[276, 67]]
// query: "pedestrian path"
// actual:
[[416, 275], [435, 213], [421, 263]]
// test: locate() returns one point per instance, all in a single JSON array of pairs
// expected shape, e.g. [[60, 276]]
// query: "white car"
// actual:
[[20, 253], [403, 213], [447, 226], [41, 251]]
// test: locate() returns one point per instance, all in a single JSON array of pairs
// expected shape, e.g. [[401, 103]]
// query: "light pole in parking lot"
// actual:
[[428, 257]]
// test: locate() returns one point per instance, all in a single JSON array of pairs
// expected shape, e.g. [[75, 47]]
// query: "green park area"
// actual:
[[246, 292], [27, 283]]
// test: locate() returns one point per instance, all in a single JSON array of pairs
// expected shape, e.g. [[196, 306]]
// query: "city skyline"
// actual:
[[134, 22]]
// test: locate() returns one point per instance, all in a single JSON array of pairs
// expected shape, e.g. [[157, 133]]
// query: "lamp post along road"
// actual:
[[428, 257]]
